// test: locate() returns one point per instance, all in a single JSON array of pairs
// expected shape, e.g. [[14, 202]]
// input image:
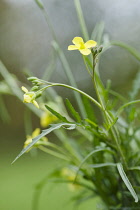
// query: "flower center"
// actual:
[[82, 46]]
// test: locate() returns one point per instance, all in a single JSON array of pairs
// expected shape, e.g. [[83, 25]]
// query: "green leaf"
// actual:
[[126, 105], [112, 124], [100, 86], [73, 111], [135, 168], [81, 19], [102, 165], [135, 86], [131, 50], [40, 4], [58, 115], [89, 109], [50, 69], [44, 133], [89, 155], [97, 31], [127, 182]]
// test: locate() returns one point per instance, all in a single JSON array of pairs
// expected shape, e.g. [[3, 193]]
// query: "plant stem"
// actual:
[[108, 118]]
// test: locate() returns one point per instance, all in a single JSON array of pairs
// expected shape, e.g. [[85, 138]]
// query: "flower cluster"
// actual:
[[29, 97]]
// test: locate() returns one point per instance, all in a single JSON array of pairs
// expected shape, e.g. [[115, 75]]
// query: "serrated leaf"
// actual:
[[44, 133], [73, 111], [58, 115], [127, 182]]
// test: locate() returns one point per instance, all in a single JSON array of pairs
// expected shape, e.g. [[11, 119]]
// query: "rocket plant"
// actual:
[[99, 152], [99, 163]]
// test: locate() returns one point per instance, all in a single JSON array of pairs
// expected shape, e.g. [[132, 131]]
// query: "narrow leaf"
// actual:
[[40, 4], [135, 168], [127, 182], [135, 86], [126, 105], [131, 50], [58, 115], [89, 109], [89, 155], [44, 133], [81, 19], [50, 69], [100, 165], [73, 111]]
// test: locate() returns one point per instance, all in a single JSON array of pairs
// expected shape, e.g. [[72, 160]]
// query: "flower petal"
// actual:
[[27, 98], [90, 44], [36, 132], [77, 40], [24, 89], [85, 51], [35, 103], [72, 47]]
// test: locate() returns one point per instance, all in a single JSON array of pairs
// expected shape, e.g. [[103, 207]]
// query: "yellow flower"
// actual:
[[70, 176], [47, 118], [29, 97], [35, 133], [81, 46]]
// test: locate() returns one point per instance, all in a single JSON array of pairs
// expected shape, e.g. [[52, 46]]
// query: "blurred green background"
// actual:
[[25, 42]]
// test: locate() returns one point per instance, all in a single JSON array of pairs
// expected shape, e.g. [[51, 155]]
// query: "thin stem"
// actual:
[[73, 88], [125, 105], [113, 129], [81, 19], [88, 70]]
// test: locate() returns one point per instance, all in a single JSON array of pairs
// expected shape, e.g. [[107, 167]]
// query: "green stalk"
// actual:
[[113, 129], [72, 88], [81, 19]]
